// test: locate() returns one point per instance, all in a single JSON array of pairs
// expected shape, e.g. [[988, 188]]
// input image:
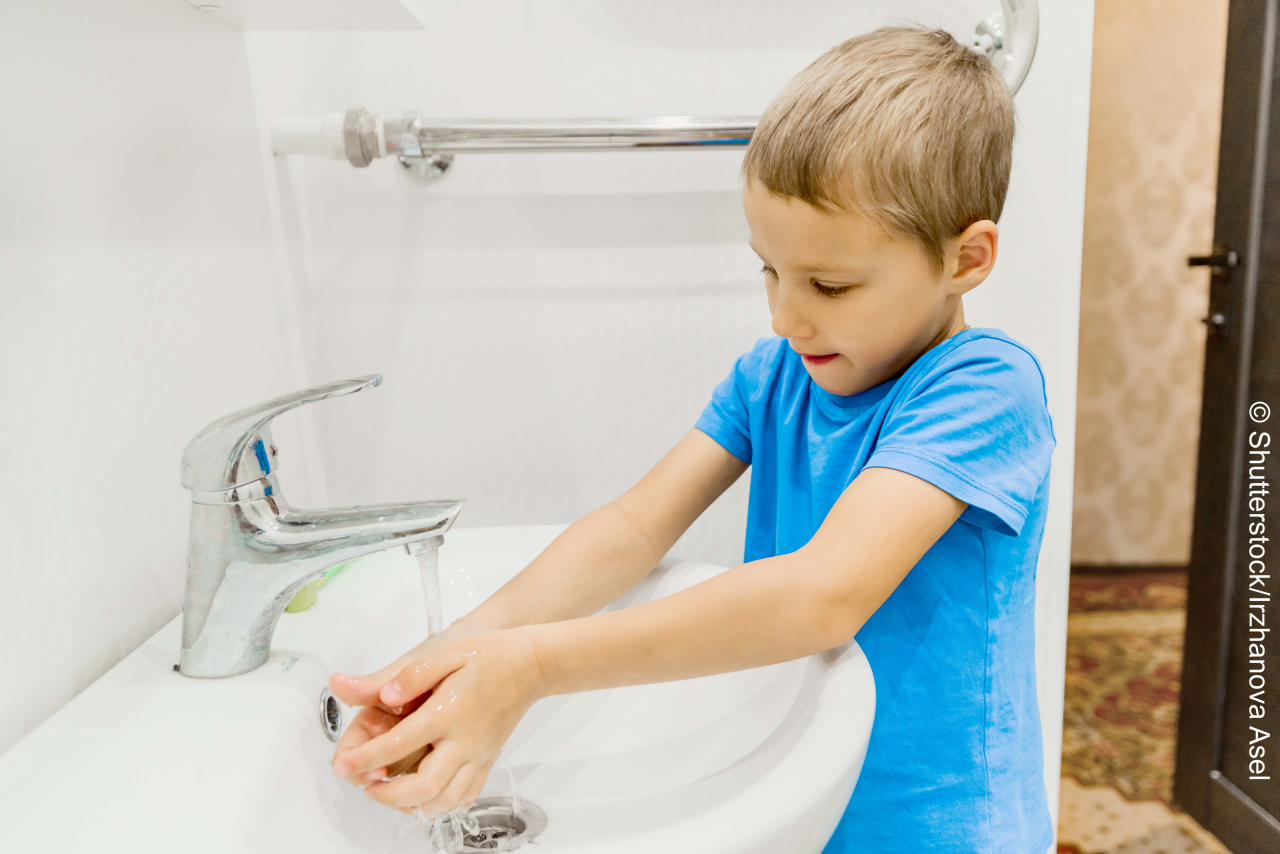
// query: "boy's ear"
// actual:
[[975, 255]]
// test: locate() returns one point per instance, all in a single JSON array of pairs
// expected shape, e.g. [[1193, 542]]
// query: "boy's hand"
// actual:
[[375, 718], [363, 690], [480, 685]]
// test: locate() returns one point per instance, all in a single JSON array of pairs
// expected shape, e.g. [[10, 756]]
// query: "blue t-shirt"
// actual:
[[955, 761]]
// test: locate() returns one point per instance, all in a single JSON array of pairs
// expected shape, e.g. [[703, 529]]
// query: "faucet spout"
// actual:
[[250, 552]]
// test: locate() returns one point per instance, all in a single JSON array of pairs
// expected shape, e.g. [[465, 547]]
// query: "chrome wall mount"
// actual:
[[1009, 39], [249, 552], [427, 145]]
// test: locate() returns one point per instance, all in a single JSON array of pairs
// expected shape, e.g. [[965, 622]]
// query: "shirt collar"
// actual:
[[843, 406]]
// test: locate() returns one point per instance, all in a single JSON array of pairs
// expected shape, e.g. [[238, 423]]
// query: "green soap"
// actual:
[[309, 595], [304, 598], [335, 570]]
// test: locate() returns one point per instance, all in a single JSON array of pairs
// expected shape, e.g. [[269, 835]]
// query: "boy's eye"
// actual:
[[768, 271], [830, 291]]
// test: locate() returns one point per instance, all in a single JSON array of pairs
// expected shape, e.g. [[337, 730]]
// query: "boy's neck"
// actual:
[[954, 326]]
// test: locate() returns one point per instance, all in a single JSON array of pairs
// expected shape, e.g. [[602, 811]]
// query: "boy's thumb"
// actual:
[[363, 690], [358, 690]]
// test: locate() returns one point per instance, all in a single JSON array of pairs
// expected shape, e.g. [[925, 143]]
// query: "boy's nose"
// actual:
[[788, 322]]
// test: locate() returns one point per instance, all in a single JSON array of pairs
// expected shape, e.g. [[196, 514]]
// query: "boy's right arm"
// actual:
[[610, 550], [596, 559]]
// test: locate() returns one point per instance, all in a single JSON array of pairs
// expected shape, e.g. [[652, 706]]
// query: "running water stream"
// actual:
[[428, 554], [447, 833]]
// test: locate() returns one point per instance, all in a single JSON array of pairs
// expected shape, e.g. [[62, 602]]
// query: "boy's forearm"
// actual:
[[590, 564], [760, 613], [767, 611]]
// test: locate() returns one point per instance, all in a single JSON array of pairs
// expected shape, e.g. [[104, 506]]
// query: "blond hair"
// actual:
[[903, 125]]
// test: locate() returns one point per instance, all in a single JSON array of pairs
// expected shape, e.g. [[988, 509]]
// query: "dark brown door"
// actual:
[[1228, 772]]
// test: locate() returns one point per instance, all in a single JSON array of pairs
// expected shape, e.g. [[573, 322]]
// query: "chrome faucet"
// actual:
[[249, 552]]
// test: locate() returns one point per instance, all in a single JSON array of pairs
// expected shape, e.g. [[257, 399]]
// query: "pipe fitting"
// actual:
[[362, 137]]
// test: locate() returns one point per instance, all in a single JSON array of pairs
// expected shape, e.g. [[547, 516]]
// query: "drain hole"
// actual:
[[330, 715], [493, 824]]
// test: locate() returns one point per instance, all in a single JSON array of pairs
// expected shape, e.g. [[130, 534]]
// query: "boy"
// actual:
[[899, 479]]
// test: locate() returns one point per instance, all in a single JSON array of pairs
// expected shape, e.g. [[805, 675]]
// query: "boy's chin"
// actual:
[[842, 383], [841, 386]]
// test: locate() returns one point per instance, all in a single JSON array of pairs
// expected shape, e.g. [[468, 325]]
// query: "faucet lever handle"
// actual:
[[236, 449]]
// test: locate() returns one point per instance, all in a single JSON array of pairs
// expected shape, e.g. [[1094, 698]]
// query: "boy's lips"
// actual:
[[818, 360]]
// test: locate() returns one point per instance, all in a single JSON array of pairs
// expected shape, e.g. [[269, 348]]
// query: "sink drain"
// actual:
[[492, 824]]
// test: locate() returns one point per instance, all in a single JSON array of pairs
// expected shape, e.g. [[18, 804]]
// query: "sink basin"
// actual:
[[761, 760]]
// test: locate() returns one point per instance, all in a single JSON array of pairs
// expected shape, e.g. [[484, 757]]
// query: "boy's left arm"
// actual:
[[764, 612]]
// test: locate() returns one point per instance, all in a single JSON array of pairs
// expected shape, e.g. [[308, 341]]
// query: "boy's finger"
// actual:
[[363, 690], [359, 690], [432, 777], [419, 678], [414, 732], [454, 794], [408, 765], [411, 706], [481, 775], [368, 723]]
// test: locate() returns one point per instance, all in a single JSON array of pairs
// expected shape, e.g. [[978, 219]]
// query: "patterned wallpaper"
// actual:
[[1153, 149]]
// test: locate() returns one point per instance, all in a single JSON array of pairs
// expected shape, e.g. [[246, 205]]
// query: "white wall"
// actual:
[[1034, 295], [137, 275], [549, 325]]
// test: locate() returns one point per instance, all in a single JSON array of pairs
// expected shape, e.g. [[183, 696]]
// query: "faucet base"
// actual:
[[186, 670]]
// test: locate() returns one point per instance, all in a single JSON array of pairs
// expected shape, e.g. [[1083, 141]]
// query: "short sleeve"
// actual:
[[977, 427], [727, 417]]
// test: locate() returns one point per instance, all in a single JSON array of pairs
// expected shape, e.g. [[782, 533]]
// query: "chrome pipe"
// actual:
[[415, 136], [1007, 37]]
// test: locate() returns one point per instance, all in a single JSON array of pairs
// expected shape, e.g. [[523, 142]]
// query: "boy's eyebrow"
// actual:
[[808, 268], [757, 251]]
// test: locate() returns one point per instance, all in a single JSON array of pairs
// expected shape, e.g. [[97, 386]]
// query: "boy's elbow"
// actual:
[[837, 615]]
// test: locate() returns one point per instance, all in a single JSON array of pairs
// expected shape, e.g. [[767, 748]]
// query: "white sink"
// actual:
[[757, 761]]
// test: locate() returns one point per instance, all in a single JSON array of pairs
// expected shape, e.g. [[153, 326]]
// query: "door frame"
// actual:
[[1231, 361]]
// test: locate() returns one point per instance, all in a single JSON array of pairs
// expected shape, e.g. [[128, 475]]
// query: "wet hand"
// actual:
[[479, 685], [364, 690], [374, 718]]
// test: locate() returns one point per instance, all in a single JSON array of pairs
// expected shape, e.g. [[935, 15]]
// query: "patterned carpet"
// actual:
[[1124, 667]]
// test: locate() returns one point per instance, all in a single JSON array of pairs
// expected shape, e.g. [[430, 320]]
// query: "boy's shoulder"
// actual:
[[984, 355], [988, 342], [984, 374]]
